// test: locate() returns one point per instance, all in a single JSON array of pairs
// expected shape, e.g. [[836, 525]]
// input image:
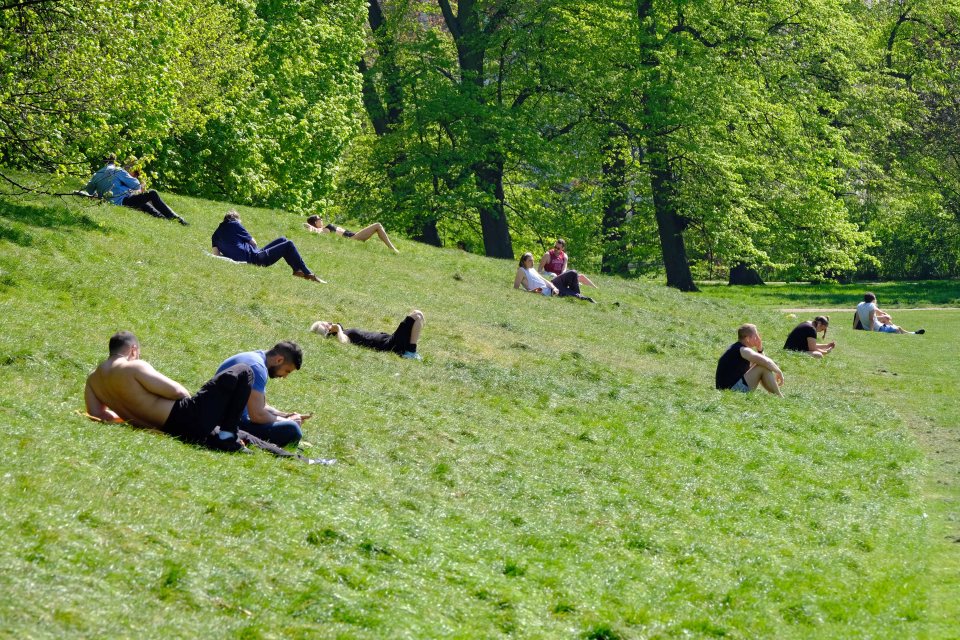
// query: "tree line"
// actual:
[[740, 139]]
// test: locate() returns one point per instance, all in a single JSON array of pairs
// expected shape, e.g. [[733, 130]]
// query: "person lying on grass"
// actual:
[[124, 388], [565, 284], [232, 240], [315, 224], [554, 263], [743, 367], [123, 187], [259, 418], [871, 318], [403, 341], [804, 337]]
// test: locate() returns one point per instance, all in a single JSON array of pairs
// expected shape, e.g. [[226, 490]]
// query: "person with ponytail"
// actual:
[[804, 337]]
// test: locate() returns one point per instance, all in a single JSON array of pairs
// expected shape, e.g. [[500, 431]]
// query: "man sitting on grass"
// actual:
[[125, 388], [743, 366], [403, 341], [259, 418], [871, 318]]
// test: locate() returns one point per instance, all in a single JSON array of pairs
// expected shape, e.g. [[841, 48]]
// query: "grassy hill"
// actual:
[[551, 469]]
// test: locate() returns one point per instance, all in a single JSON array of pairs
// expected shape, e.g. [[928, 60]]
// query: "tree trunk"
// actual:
[[429, 234], [614, 211], [655, 101], [743, 274], [471, 41], [493, 219], [670, 224]]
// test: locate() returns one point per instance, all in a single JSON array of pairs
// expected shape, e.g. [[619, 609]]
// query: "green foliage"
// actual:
[[81, 79], [279, 141]]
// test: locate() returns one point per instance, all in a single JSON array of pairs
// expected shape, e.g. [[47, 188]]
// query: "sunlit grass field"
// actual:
[[551, 469]]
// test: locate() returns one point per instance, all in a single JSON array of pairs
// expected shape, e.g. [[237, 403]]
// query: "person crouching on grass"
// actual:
[[743, 366], [804, 337]]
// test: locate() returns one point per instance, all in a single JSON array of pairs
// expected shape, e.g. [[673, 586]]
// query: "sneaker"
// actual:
[[411, 355], [182, 221], [920, 332]]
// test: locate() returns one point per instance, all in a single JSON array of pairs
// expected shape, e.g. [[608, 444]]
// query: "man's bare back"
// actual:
[[123, 387]]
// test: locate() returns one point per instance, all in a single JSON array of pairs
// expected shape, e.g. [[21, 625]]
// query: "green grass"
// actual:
[[927, 293], [551, 469]]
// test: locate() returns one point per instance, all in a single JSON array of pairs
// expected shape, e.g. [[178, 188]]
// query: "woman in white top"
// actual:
[[566, 284]]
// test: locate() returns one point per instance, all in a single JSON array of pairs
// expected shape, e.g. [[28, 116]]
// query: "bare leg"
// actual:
[[585, 280], [816, 354], [417, 316], [758, 375], [376, 228], [769, 382]]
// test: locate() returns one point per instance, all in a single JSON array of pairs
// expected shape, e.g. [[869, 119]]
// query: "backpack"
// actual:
[[856, 322]]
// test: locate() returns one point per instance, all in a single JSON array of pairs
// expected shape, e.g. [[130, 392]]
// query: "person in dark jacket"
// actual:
[[232, 240]]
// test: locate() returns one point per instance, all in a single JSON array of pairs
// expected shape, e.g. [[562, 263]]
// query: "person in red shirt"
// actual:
[[554, 262]]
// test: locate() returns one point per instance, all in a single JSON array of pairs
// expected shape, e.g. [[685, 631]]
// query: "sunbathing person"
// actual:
[[232, 240], [554, 262], [743, 367], [565, 284], [122, 187], [871, 318], [403, 341], [125, 388], [315, 224], [804, 337]]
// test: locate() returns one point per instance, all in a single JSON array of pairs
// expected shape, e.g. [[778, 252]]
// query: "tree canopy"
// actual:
[[694, 139]]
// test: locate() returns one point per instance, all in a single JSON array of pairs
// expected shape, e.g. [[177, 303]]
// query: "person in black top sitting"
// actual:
[[403, 341], [804, 337], [315, 224], [743, 366]]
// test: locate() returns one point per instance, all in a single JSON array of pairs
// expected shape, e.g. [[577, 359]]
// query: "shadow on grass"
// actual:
[[889, 294], [15, 215]]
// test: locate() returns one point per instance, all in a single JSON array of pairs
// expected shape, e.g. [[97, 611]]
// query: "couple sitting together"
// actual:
[[553, 265], [231, 409]]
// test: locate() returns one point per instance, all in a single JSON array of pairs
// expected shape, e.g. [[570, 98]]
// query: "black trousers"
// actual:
[[567, 283], [151, 203], [219, 403]]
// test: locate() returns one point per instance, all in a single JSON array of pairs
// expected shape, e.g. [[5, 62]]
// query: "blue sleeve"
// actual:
[[127, 180], [259, 378]]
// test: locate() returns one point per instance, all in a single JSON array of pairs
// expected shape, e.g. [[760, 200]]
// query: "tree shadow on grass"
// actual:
[[889, 294], [16, 218]]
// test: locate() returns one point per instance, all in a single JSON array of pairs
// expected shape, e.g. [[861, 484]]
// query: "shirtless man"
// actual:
[[124, 388]]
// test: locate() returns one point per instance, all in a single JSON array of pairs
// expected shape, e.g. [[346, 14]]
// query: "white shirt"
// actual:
[[864, 309], [535, 280]]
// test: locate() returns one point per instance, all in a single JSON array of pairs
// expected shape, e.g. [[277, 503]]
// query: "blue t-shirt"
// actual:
[[258, 362], [233, 241]]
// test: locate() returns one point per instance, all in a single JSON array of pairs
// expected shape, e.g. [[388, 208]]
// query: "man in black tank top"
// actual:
[[403, 341], [743, 367]]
